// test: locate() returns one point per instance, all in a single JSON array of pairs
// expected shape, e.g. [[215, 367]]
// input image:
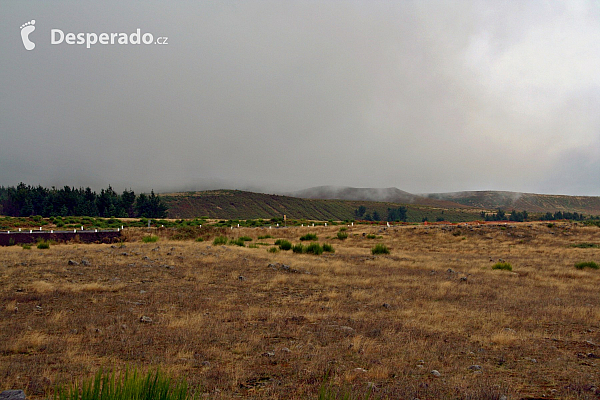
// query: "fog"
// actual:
[[277, 96]]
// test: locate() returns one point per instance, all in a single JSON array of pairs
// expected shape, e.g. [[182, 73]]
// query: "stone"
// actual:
[[73, 262], [386, 305], [475, 368], [85, 262], [241, 278], [145, 320], [12, 395], [360, 370], [286, 350], [436, 373]]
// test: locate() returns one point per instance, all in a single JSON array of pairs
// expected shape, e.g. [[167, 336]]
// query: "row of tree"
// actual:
[[25, 200], [393, 214], [517, 216]]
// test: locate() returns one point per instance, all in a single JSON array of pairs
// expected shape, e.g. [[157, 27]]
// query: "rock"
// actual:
[[503, 397], [241, 278], [386, 305], [463, 279], [475, 368], [436, 373], [450, 271], [73, 262], [124, 254], [360, 370], [286, 350], [269, 354], [145, 320], [12, 395], [346, 329], [206, 363], [85, 262]]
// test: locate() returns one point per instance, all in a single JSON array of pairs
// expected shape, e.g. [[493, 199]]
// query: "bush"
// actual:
[[43, 244], [219, 240], [587, 264], [371, 236], [314, 248], [380, 249], [26, 247], [586, 245], [150, 239], [284, 244], [309, 236], [127, 385], [273, 250], [246, 238], [504, 266], [342, 235], [253, 246], [327, 248], [298, 248], [265, 237], [199, 239]]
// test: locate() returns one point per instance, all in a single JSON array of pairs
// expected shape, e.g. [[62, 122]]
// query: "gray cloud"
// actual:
[[424, 96]]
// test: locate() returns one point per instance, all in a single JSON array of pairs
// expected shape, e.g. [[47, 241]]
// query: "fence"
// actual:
[[8, 238]]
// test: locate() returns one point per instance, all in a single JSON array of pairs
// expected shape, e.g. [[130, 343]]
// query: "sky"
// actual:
[[275, 96]]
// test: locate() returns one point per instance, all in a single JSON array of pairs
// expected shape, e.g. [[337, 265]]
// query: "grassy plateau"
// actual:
[[431, 319]]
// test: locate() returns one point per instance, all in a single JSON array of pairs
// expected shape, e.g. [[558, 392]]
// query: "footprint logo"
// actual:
[[26, 29]]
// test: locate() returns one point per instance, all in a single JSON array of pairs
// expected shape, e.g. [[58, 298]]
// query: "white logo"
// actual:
[[26, 29]]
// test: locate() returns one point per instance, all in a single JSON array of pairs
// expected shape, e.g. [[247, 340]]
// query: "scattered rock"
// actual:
[[73, 262], [286, 350], [12, 395], [463, 279], [386, 305], [475, 367], [436, 373], [503, 397], [85, 262], [125, 253], [360, 370], [241, 278], [145, 320], [269, 354], [450, 271], [206, 363]]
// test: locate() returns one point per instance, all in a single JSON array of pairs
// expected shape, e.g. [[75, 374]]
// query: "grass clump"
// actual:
[[126, 386], [219, 240], [246, 238], [314, 248], [299, 248], [586, 245], [265, 237], [283, 244], [43, 244], [503, 266], [150, 239], [327, 248], [237, 242], [199, 239], [273, 250], [587, 264], [26, 247], [380, 249], [342, 235], [308, 236], [371, 236]]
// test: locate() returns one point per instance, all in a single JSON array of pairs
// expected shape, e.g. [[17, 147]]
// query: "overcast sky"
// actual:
[[426, 96]]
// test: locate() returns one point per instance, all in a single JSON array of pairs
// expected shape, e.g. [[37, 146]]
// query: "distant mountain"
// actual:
[[531, 202], [392, 195], [237, 204]]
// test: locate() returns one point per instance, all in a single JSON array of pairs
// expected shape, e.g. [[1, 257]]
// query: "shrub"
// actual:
[[246, 238], [237, 242], [273, 250], [309, 236], [253, 246], [60, 224], [314, 248], [127, 385], [265, 237], [587, 264], [150, 239], [219, 240], [371, 236], [284, 245], [380, 249], [342, 235], [298, 248], [43, 244], [199, 239], [26, 247], [11, 242], [328, 248], [504, 266], [586, 245]]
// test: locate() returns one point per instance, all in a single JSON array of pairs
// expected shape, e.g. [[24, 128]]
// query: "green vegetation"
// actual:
[[265, 237], [342, 235], [283, 244], [126, 386], [237, 242], [308, 236], [43, 244], [503, 266], [380, 249], [327, 248], [219, 240], [150, 239], [587, 264], [586, 245], [199, 239], [371, 236], [273, 250], [26, 247], [314, 248], [298, 248]]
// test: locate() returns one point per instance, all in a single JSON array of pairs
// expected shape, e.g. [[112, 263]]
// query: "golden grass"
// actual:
[[433, 303]]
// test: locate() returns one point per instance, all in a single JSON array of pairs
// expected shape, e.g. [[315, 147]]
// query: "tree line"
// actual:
[[393, 214], [517, 216], [24, 201]]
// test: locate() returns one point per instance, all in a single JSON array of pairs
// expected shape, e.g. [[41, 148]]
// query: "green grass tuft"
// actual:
[[150, 239], [314, 248], [309, 236], [43, 244], [587, 264], [219, 240], [380, 249], [503, 266], [327, 248]]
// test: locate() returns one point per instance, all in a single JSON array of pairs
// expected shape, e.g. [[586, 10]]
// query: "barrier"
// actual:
[[95, 236]]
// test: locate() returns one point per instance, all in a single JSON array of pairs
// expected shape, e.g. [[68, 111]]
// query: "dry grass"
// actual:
[[227, 321]]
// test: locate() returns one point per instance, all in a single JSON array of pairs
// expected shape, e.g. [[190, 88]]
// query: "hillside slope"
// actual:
[[523, 201], [236, 204]]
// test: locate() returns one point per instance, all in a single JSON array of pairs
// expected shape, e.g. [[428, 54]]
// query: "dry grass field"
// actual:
[[244, 322]]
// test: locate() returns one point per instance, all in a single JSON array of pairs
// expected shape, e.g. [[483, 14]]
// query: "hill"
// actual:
[[531, 202], [237, 204]]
